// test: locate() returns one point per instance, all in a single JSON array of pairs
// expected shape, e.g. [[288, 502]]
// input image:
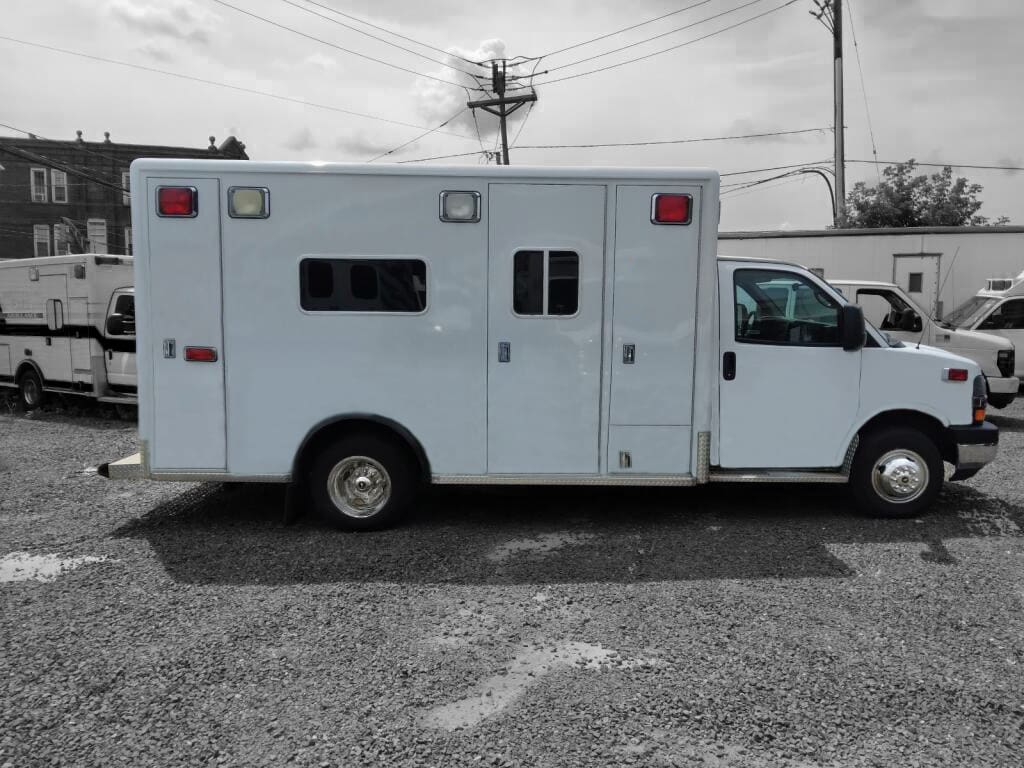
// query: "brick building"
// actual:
[[72, 196]]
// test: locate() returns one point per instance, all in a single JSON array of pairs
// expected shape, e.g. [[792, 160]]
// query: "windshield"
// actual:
[[968, 313]]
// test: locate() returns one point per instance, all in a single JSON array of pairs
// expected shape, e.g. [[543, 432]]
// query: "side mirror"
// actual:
[[851, 327], [115, 325]]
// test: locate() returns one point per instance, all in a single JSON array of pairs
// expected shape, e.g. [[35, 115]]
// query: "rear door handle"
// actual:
[[729, 366]]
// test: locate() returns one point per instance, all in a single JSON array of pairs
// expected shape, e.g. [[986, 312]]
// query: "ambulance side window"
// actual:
[[363, 285], [546, 283]]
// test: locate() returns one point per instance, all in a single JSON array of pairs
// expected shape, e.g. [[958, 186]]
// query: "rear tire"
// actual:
[[897, 472], [363, 482], [30, 390]]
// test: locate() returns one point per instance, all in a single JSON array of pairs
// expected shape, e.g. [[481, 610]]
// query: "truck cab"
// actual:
[[996, 311], [889, 309]]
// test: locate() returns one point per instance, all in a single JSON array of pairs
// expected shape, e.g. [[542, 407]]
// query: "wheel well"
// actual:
[[922, 422], [28, 365], [331, 429]]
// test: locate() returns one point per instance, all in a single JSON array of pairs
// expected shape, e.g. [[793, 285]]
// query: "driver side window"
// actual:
[[783, 308]]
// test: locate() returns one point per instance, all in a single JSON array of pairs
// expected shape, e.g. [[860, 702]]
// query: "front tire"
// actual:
[[30, 390], [897, 472], [363, 482]]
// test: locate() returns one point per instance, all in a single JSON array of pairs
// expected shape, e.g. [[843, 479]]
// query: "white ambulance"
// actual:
[[361, 330], [67, 324]]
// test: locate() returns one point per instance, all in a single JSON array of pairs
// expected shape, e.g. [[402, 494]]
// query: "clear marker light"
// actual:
[[460, 206], [249, 202]]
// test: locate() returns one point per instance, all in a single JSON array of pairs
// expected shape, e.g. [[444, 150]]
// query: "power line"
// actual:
[[775, 168], [675, 141], [391, 32], [666, 50], [229, 86], [304, 9], [443, 157], [625, 29], [417, 138], [943, 165], [332, 45], [529, 111], [863, 90], [656, 37], [80, 146]]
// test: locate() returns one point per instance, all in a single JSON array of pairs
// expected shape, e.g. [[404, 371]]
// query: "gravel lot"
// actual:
[[149, 624]]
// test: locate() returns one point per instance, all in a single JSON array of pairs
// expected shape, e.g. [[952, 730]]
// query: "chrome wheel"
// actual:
[[900, 476], [359, 486]]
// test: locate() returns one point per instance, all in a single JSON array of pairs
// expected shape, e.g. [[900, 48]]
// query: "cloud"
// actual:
[[437, 102], [156, 51], [321, 61], [301, 140], [176, 19], [360, 147]]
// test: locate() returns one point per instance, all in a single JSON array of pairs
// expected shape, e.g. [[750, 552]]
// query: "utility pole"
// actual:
[[837, 61], [830, 14], [500, 105]]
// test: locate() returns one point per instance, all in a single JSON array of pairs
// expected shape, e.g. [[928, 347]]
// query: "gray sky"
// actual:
[[940, 77]]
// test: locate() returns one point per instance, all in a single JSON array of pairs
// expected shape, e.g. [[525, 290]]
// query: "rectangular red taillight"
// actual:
[[177, 201], [671, 209], [954, 374], [201, 354]]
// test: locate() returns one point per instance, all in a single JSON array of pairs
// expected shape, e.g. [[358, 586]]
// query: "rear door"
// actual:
[[185, 310], [546, 271]]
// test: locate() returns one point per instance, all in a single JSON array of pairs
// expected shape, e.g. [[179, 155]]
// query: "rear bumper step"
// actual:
[[128, 468]]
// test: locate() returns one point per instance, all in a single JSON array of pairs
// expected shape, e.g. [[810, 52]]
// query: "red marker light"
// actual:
[[177, 201], [201, 354], [956, 374], [671, 209]]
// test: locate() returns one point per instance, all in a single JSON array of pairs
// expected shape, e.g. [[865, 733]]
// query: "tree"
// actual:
[[902, 199]]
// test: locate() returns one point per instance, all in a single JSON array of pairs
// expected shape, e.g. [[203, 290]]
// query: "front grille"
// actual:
[[1005, 362]]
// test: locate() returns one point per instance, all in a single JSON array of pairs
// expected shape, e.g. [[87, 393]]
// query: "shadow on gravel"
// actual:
[[215, 534]]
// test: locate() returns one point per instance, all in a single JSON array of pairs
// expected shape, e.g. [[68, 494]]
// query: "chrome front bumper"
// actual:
[[976, 446]]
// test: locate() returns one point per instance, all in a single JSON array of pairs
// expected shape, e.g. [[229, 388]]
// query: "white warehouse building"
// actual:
[[940, 266]]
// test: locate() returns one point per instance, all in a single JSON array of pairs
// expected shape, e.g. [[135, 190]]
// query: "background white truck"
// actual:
[[360, 330], [891, 310], [996, 310], [67, 325]]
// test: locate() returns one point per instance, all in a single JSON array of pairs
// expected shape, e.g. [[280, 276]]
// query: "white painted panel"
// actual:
[[424, 371], [5, 360], [655, 297], [185, 305], [543, 405], [652, 450]]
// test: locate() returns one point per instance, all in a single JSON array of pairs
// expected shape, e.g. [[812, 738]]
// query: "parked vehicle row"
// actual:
[[898, 316], [522, 325], [67, 324]]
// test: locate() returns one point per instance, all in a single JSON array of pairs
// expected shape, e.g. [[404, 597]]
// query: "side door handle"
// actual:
[[729, 366], [504, 351]]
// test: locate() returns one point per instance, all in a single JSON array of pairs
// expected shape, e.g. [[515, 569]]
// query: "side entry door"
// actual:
[[788, 391], [54, 357], [545, 271]]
